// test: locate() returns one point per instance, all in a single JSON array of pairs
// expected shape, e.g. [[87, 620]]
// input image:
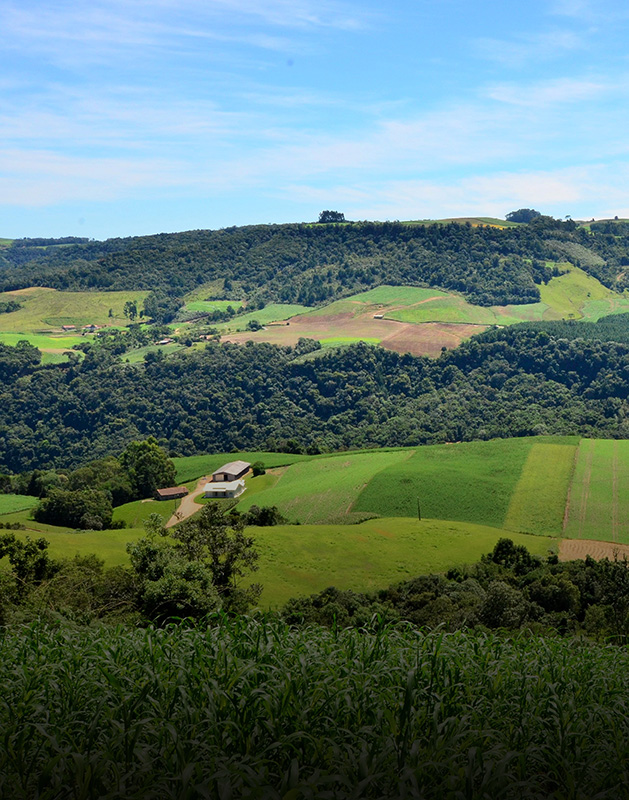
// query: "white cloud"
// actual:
[[521, 50], [551, 92]]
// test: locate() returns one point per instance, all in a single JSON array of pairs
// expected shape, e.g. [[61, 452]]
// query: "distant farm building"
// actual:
[[172, 493], [165, 341], [378, 316], [68, 327], [224, 488], [231, 472]]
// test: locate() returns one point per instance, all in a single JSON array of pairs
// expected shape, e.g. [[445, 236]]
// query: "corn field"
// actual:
[[255, 709]]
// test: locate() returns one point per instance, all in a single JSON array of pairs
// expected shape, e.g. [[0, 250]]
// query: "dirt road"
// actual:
[[188, 507]]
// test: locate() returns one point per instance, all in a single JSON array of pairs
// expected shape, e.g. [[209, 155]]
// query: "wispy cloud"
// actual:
[[521, 50]]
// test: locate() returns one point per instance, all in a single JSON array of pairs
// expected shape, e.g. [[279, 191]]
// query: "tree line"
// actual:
[[516, 381], [312, 263]]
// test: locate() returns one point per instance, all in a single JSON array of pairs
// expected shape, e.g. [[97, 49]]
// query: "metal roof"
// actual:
[[234, 467]]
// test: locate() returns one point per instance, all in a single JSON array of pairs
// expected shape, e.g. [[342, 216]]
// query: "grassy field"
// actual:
[[137, 356], [324, 490], [599, 494], [10, 503], [539, 498], [56, 343], [211, 305], [577, 295], [299, 560], [48, 308]]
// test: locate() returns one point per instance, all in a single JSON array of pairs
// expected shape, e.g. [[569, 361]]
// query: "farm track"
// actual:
[[188, 507]]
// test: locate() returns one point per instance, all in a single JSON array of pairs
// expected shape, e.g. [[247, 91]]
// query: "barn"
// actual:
[[232, 471]]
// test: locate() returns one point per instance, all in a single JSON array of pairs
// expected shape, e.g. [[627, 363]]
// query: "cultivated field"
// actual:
[[598, 506], [323, 490], [470, 494], [538, 500], [423, 320]]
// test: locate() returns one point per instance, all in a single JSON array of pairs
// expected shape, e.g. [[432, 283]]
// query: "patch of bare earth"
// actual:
[[572, 549], [420, 339]]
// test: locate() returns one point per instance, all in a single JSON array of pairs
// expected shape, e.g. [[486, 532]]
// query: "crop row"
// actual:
[[257, 709]]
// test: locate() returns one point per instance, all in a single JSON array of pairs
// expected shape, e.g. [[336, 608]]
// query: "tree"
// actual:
[[131, 309], [83, 508], [522, 215], [331, 216], [148, 467], [200, 570]]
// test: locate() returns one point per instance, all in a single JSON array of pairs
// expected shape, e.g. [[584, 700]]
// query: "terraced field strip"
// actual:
[[470, 481], [539, 499], [300, 560], [599, 494], [323, 490]]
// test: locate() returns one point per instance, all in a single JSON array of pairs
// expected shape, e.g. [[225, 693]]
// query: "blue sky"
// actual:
[[123, 117]]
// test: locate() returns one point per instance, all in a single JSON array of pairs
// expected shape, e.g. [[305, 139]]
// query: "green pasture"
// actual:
[[137, 356], [48, 308], [111, 546], [57, 342], [577, 295], [538, 501], [10, 503], [274, 312], [468, 481], [189, 468], [598, 505], [211, 305], [303, 559], [323, 490]]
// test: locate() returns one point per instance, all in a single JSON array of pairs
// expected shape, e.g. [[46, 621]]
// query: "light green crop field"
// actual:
[[190, 467], [538, 501], [302, 559], [274, 312], [10, 503], [211, 305], [469, 481], [58, 342], [134, 514], [324, 489], [48, 308], [598, 506]]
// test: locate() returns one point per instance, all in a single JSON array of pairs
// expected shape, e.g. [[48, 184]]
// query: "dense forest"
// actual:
[[311, 264], [516, 381]]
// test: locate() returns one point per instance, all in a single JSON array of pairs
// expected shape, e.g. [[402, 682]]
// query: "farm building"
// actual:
[[224, 488], [231, 472], [68, 327], [172, 493]]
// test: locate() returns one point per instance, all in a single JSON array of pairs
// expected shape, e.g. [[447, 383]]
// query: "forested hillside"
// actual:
[[507, 382], [311, 264]]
